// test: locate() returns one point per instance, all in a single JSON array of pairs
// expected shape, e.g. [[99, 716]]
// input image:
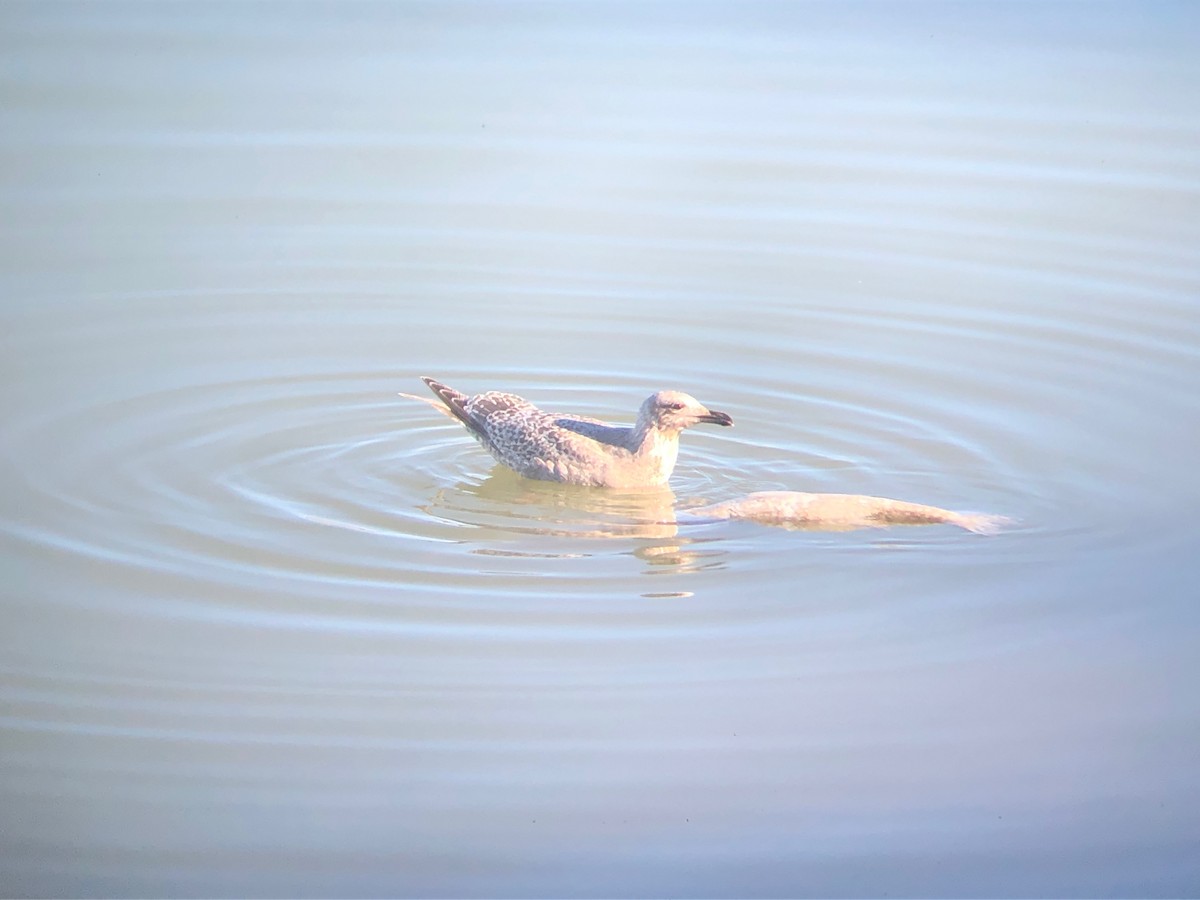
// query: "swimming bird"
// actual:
[[576, 449], [796, 509]]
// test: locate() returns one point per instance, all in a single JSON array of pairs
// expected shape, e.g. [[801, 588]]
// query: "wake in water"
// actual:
[[840, 511]]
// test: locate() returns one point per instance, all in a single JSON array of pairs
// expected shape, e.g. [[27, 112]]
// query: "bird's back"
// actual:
[[535, 443]]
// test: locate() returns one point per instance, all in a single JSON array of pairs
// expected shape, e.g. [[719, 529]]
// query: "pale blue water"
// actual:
[[269, 629]]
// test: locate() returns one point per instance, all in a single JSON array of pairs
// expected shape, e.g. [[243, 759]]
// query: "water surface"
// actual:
[[270, 629]]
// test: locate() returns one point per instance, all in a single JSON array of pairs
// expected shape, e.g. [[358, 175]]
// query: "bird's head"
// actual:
[[675, 411]]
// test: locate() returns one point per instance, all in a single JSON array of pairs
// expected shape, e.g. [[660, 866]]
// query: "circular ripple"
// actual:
[[316, 499], [329, 481]]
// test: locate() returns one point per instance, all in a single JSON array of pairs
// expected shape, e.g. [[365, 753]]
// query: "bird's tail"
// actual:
[[455, 401]]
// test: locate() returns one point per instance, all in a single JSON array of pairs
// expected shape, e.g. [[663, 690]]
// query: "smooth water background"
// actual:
[[268, 628]]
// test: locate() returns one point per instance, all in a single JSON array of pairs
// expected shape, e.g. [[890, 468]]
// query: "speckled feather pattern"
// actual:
[[536, 443]]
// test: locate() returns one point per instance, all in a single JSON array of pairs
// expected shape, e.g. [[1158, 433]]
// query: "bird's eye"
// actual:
[[676, 406]]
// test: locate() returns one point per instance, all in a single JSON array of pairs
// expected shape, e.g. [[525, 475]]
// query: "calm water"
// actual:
[[268, 628]]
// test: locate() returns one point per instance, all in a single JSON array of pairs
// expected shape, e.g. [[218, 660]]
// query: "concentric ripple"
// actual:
[[311, 484]]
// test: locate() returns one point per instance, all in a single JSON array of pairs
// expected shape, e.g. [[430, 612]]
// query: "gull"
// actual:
[[576, 449]]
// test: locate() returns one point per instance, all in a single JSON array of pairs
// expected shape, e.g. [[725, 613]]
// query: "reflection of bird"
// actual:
[[824, 512], [575, 449]]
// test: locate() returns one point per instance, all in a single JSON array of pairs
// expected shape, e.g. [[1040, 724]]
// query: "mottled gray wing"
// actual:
[[516, 432], [483, 407]]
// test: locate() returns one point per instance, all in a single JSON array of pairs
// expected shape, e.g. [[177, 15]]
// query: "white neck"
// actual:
[[650, 443]]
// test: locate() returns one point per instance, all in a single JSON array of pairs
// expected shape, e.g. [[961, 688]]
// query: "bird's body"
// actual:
[[576, 449]]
